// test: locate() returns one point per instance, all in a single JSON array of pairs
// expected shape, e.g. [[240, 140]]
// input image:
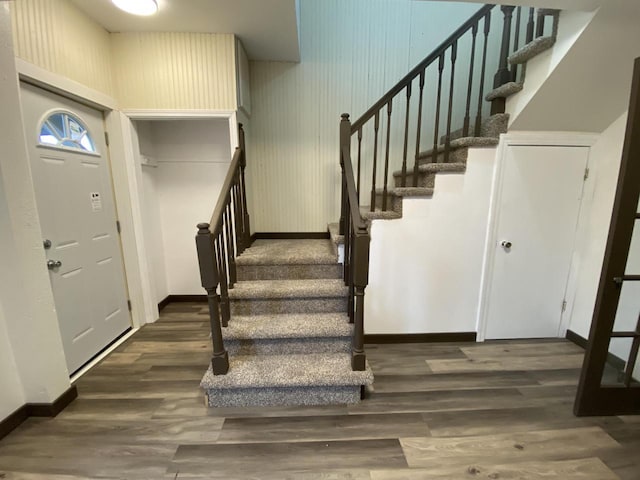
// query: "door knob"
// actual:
[[506, 244], [51, 264]]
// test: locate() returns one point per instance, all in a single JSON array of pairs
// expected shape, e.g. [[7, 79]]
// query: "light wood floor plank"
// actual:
[[545, 445], [580, 469]]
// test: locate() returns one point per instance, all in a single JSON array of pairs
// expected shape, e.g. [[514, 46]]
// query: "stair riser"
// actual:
[[262, 397], [284, 346], [288, 272], [424, 180], [285, 305], [393, 203], [491, 127], [459, 155]]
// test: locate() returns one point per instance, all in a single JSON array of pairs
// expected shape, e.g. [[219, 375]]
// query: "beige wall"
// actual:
[[187, 71], [55, 35], [352, 52], [174, 70]]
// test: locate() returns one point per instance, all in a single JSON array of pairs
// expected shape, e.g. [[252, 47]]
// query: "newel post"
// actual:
[[360, 280], [210, 278], [345, 142], [246, 226]]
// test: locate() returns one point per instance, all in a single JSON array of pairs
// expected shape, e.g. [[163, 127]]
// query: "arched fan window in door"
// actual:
[[65, 130]]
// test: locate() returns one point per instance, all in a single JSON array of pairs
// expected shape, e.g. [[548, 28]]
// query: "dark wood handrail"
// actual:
[[433, 56], [218, 243], [225, 192]]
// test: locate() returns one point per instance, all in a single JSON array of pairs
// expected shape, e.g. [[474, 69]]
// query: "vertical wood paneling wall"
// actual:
[[174, 70], [141, 70], [352, 52], [56, 36]]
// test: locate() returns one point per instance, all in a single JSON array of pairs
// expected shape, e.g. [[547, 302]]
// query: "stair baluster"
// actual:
[[376, 126], [246, 223], [474, 33], [229, 236], [359, 160], [516, 43], [386, 158], [447, 142], [487, 29], [503, 75], [221, 257], [418, 130], [436, 128], [540, 25], [530, 25], [406, 141]]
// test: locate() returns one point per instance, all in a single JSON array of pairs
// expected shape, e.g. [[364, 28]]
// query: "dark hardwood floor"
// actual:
[[498, 410]]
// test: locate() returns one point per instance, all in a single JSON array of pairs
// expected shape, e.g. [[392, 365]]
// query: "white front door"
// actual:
[[72, 180], [536, 225]]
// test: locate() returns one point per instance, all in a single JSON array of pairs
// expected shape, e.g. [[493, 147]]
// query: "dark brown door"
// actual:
[[610, 379]]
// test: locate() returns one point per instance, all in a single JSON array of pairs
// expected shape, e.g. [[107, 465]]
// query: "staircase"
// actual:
[[290, 337], [449, 155], [287, 316]]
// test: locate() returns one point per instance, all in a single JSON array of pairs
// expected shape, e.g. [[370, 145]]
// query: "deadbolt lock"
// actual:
[[51, 264]]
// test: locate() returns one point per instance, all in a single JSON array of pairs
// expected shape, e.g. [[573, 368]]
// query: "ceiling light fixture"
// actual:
[[137, 7]]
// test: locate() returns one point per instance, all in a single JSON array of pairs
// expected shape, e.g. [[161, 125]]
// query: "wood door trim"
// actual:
[[592, 398]]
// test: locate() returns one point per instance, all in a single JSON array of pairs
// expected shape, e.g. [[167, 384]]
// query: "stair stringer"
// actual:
[[425, 267]]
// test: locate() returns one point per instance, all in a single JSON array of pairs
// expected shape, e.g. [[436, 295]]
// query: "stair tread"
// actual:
[[435, 168], [289, 289], [277, 371], [288, 252], [378, 214], [531, 49], [407, 191], [336, 238], [504, 91], [462, 142], [313, 325]]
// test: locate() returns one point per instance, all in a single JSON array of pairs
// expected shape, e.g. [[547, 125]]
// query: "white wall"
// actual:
[[25, 291], [593, 230], [425, 268], [151, 219], [570, 27], [590, 88], [192, 158], [351, 54], [593, 225], [11, 393]]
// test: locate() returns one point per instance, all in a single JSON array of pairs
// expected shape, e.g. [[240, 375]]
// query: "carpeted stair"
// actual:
[[289, 337], [431, 163]]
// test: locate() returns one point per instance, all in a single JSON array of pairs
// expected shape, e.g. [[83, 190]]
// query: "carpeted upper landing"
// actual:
[[292, 252]]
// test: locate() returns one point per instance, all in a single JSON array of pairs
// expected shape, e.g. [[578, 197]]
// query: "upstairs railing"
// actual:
[[219, 242], [450, 85], [431, 124]]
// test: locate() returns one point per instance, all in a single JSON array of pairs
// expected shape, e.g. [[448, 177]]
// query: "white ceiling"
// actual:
[[268, 29]]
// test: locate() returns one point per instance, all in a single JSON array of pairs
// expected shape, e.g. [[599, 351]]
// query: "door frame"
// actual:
[[125, 186], [534, 139], [126, 175], [594, 398], [133, 162]]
